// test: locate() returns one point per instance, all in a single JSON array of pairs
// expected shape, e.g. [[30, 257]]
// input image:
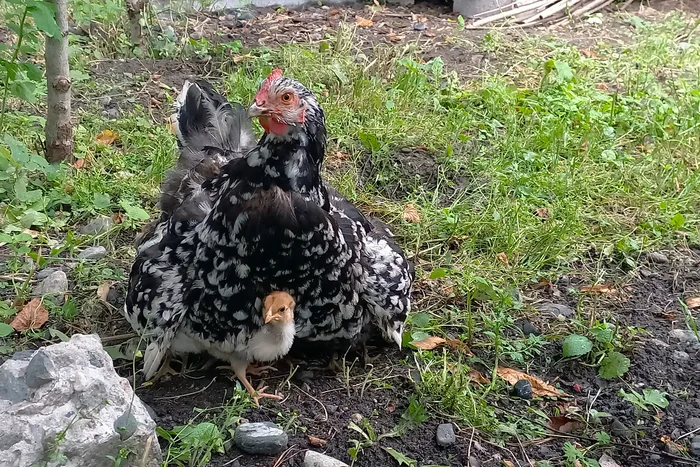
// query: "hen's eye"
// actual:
[[286, 97]]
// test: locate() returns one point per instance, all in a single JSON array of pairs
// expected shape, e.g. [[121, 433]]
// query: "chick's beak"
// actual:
[[268, 315], [257, 111]]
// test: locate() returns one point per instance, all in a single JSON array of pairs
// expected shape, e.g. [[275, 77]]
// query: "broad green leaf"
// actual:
[[437, 273], [576, 345], [563, 71], [602, 334], [6, 311], [677, 221], [401, 458], [33, 72], [602, 437], [56, 333], [6, 330], [420, 320], [33, 217], [655, 397], [134, 212], [23, 90], [44, 15], [613, 365], [101, 200]]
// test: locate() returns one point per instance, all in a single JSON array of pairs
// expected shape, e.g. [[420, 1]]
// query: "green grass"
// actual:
[[608, 144]]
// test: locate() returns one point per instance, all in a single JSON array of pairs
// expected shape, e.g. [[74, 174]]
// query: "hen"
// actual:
[[262, 222]]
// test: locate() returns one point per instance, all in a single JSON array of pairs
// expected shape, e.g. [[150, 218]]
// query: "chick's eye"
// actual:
[[281, 310], [286, 97]]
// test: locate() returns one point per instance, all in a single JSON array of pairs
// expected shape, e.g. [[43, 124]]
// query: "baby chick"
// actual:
[[269, 343]]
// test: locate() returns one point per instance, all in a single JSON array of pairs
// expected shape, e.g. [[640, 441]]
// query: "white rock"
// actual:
[[316, 459], [93, 252], [66, 401], [683, 335]]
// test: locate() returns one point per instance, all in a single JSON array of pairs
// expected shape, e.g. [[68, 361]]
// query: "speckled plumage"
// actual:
[[262, 222]]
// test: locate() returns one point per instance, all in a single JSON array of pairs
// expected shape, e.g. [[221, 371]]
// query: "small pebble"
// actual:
[[522, 389], [112, 113], [695, 446], [420, 26], [655, 457], [55, 283], [332, 408], [93, 252], [445, 435], [44, 273], [617, 428], [692, 424], [658, 343], [555, 309], [657, 257], [529, 329], [97, 226], [195, 35], [105, 100], [474, 462], [680, 356], [263, 438], [316, 459], [683, 335], [356, 417]]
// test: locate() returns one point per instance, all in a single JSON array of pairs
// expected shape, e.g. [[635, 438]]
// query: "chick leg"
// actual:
[[259, 370], [239, 368], [165, 368]]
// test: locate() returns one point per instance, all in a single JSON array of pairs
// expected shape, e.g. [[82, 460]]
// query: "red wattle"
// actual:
[[273, 126]]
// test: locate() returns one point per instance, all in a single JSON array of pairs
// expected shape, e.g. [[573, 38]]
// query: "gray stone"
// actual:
[[683, 335], [40, 370], [474, 462], [316, 459], [468, 8], [105, 100], [245, 15], [356, 417], [112, 113], [98, 225], [617, 428], [655, 457], [658, 343], [93, 253], [657, 257], [46, 272], [529, 329], [420, 26], [331, 408], [555, 309], [55, 283], [445, 435], [680, 356], [522, 389], [695, 446], [262, 438], [79, 401], [692, 424]]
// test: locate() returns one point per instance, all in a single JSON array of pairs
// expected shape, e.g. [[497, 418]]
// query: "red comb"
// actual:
[[272, 77]]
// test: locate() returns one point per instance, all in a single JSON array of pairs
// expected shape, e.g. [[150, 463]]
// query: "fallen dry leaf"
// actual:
[[477, 377], [363, 22], [429, 343], [589, 53], [410, 213], [503, 258], [456, 344], [32, 316], [107, 137], [80, 163], [508, 463], [103, 291], [155, 76], [118, 217], [563, 424], [539, 387], [693, 302], [599, 289], [542, 213], [316, 442]]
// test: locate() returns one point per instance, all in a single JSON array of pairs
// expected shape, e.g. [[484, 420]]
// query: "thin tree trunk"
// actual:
[[59, 130], [133, 11]]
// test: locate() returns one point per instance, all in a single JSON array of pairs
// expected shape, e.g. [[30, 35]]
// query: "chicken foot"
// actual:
[[167, 370], [240, 369]]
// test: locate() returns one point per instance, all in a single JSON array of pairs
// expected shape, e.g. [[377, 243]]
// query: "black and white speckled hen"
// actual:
[[263, 222]]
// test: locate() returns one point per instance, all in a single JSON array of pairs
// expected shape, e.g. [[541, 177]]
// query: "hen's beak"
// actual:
[[268, 315], [256, 111]]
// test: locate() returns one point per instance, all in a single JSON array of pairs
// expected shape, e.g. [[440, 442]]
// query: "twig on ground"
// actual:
[[168, 398], [118, 337]]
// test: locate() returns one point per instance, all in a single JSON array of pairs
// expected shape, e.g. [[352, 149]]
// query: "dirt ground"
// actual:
[[324, 404]]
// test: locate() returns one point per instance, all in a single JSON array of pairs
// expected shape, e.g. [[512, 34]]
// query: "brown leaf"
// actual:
[[563, 424], [429, 343], [410, 213], [539, 387], [589, 53], [363, 22], [542, 213], [32, 316], [107, 137], [103, 291], [155, 76], [118, 217], [456, 344], [544, 284], [692, 302], [508, 463], [316, 442], [599, 289], [477, 377], [80, 163], [503, 258], [602, 86]]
